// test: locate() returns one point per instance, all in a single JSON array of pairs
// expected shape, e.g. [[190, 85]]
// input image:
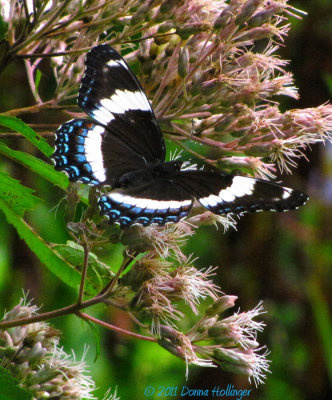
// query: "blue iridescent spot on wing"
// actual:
[[65, 147], [161, 211], [80, 140], [149, 211], [63, 160], [127, 206], [73, 171], [113, 215], [87, 167], [80, 158], [172, 218], [80, 148], [136, 210], [89, 181], [125, 221], [143, 221], [62, 137], [103, 202], [183, 214], [158, 220]]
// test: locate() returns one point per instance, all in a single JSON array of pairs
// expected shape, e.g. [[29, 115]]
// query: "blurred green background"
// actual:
[[283, 259]]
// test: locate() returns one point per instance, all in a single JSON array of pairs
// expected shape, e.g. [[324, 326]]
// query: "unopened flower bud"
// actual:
[[32, 355], [227, 14], [167, 6], [43, 375], [221, 305], [190, 29], [260, 32], [237, 369], [171, 347], [207, 324], [218, 330], [20, 369], [233, 356], [263, 16], [17, 313], [143, 13], [249, 344], [246, 11], [170, 340], [19, 334], [183, 63]]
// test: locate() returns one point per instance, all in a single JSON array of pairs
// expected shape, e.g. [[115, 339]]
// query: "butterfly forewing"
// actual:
[[111, 94]]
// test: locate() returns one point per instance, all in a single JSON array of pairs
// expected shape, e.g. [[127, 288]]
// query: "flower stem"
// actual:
[[86, 248], [87, 317]]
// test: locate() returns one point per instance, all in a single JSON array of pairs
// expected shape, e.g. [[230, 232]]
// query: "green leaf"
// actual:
[[10, 389], [19, 126], [18, 197], [55, 263], [38, 166], [99, 273]]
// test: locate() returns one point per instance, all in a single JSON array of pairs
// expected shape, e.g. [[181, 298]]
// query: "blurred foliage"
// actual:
[[286, 260]]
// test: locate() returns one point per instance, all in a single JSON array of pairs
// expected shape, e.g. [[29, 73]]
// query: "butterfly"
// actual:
[[122, 146]]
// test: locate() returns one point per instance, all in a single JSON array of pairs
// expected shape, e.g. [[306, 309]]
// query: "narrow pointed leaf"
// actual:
[[40, 167], [18, 197], [19, 126], [55, 263]]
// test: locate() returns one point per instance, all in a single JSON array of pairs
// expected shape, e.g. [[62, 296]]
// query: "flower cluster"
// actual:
[[158, 285], [32, 354], [210, 68], [229, 342]]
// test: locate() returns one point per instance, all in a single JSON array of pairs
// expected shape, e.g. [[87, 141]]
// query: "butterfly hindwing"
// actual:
[[89, 153], [232, 194], [78, 151], [157, 202], [111, 94]]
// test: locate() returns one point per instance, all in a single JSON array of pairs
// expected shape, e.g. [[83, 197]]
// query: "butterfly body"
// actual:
[[122, 147], [160, 170]]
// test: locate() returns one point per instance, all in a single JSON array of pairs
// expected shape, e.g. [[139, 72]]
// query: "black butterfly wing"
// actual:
[[90, 153], [158, 201], [111, 94], [161, 201], [123, 144], [232, 194]]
